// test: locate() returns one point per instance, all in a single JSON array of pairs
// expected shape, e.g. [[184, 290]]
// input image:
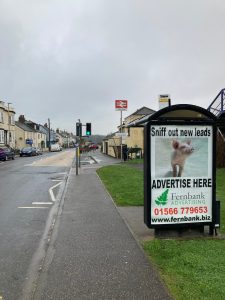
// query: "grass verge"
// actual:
[[191, 269], [135, 161], [124, 183], [220, 193]]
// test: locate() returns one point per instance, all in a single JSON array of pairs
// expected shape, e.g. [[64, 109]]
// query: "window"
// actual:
[[128, 131], [2, 136], [12, 120], [1, 117], [13, 137]]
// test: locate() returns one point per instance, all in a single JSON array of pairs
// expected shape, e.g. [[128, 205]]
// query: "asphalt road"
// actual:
[[92, 254], [67, 243], [28, 204]]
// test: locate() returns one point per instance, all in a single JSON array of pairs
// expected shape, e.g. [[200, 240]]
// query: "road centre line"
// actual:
[[51, 191]]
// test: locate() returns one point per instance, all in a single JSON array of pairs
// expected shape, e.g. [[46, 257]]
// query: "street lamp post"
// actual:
[[8, 141], [49, 135]]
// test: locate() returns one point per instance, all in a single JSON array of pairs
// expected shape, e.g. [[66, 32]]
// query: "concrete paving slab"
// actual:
[[134, 218], [92, 253]]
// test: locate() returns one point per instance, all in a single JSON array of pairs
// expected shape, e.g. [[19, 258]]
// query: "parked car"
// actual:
[[7, 153], [93, 147], [39, 151], [28, 151], [84, 148], [55, 147]]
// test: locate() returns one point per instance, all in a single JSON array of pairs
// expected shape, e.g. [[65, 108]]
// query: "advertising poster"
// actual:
[[181, 174]]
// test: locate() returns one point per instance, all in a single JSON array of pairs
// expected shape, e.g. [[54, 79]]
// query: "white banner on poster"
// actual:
[[181, 174]]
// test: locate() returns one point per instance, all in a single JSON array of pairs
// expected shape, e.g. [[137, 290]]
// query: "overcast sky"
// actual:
[[70, 59]]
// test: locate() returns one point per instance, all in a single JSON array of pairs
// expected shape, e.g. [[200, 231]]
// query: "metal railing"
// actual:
[[217, 107]]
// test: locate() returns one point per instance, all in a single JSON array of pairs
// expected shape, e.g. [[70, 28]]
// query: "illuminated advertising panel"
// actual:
[[181, 164]]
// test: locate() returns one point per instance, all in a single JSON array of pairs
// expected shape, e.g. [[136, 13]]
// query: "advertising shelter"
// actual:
[[180, 170]]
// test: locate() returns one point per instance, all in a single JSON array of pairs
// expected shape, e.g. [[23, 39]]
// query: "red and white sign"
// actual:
[[121, 104]]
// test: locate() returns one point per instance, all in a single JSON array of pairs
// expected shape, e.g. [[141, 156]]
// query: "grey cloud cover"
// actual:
[[70, 59]]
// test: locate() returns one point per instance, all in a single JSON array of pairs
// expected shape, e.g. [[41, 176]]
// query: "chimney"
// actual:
[[22, 119]]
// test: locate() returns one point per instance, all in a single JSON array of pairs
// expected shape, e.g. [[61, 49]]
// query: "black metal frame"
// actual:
[[156, 119]]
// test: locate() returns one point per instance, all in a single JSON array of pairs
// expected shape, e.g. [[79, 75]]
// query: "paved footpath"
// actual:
[[92, 254]]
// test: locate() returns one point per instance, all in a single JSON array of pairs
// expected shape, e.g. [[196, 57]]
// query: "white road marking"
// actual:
[[40, 203], [33, 207], [51, 191], [56, 181], [98, 160]]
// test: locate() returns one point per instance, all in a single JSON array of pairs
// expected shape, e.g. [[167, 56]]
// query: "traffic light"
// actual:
[[88, 129], [78, 129]]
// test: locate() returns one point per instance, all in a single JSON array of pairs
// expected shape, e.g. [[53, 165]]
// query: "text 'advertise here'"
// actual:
[[181, 159]]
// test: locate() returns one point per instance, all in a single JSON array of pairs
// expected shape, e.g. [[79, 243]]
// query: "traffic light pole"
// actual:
[[77, 149], [79, 134]]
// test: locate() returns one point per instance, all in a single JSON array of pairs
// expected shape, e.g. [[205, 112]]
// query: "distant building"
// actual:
[[28, 134], [59, 137], [44, 129], [111, 144], [68, 139], [7, 125], [25, 136], [41, 136], [133, 137]]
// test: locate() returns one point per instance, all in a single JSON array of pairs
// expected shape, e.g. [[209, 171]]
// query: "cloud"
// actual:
[[69, 60]]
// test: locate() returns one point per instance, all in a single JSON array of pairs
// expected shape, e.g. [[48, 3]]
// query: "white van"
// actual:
[[55, 147]]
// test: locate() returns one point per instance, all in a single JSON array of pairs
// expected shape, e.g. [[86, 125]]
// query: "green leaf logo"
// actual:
[[162, 199]]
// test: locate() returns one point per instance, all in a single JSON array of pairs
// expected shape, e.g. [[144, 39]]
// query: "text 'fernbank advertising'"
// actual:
[[181, 174]]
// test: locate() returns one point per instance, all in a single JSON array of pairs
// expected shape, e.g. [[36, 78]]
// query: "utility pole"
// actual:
[[9, 120], [49, 136]]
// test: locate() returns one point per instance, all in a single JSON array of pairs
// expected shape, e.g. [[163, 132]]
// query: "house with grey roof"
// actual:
[[133, 137], [50, 134], [28, 135]]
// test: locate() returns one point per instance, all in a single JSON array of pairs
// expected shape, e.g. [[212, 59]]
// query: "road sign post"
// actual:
[[121, 105]]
